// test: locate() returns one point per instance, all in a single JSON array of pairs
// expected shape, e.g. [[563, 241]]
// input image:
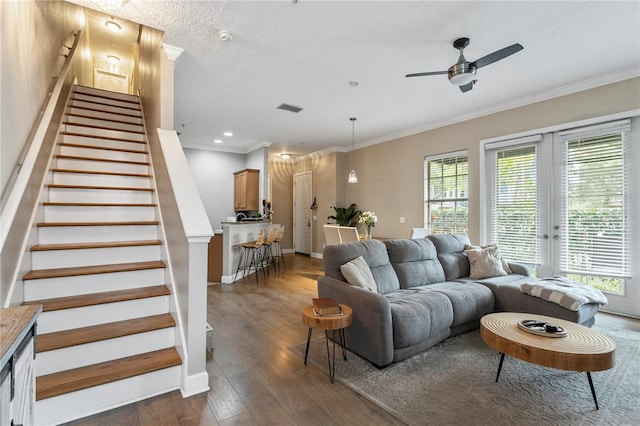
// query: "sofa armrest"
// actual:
[[371, 333], [520, 268]]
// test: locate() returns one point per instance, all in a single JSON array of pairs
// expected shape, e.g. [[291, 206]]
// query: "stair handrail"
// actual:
[[19, 208]]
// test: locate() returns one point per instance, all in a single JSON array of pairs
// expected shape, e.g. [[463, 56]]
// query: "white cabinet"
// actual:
[[17, 364]]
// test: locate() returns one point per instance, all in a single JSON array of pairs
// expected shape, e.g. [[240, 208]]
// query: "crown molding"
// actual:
[[229, 149]]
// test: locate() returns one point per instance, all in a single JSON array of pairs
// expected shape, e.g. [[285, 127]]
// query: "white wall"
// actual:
[[212, 172]]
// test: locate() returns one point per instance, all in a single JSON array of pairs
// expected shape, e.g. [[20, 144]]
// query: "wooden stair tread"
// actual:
[[86, 108], [100, 298], [119, 188], [95, 333], [135, 105], [71, 204], [110, 138], [103, 148], [137, 223], [98, 172], [91, 126], [105, 372], [91, 117], [91, 270], [106, 244]]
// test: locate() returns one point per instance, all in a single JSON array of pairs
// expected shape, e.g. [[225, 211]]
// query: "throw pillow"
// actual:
[[358, 274], [505, 264], [485, 263]]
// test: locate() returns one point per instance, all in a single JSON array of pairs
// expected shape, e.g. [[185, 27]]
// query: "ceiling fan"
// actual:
[[463, 72]]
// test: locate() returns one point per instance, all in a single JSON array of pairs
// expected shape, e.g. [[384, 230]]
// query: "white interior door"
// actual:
[[302, 199]]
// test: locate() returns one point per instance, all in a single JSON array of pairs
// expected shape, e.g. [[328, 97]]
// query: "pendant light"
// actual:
[[353, 177]]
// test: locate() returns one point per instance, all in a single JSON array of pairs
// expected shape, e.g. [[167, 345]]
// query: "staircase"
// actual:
[[106, 336]]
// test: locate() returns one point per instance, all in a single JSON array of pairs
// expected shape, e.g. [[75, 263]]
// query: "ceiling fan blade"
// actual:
[[467, 87], [420, 74], [498, 55]]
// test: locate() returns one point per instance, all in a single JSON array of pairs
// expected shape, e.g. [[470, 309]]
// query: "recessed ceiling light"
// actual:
[[113, 59], [113, 26], [354, 83], [228, 134], [285, 156], [217, 141]]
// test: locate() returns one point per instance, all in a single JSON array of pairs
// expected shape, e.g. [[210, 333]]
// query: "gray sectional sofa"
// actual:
[[424, 295]]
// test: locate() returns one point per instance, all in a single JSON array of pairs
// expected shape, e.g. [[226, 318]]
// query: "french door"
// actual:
[[564, 203]]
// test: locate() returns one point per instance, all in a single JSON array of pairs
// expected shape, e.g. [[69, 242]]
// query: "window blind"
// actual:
[[595, 218], [514, 203]]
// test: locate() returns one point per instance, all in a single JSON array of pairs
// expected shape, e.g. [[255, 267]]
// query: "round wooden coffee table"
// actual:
[[326, 323], [582, 349]]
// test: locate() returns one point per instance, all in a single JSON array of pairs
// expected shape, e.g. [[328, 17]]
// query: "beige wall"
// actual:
[[391, 174], [32, 39]]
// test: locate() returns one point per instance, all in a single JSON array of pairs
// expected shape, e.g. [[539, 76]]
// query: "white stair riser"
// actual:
[[110, 109], [66, 178], [103, 213], [74, 405], [104, 115], [94, 234], [86, 316], [118, 134], [105, 143], [104, 350], [99, 122], [105, 101], [90, 91], [50, 259], [88, 195], [101, 166], [50, 288], [98, 153]]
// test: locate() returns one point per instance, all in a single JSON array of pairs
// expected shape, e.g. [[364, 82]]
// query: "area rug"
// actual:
[[453, 383]]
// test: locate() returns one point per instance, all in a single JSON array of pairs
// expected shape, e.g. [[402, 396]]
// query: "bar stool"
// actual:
[[251, 256], [278, 245], [268, 258]]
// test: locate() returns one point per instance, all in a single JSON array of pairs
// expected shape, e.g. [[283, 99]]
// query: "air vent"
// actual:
[[291, 108]]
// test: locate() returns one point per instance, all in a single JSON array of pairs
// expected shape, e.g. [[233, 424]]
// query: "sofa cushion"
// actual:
[[485, 263], [418, 314], [470, 301], [509, 298], [357, 273], [415, 262], [374, 253], [451, 254]]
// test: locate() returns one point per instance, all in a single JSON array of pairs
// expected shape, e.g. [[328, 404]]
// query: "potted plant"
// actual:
[[346, 216]]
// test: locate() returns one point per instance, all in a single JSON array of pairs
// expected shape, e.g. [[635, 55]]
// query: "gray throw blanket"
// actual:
[[564, 292]]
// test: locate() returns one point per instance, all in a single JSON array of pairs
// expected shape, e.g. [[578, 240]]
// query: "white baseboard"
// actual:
[[195, 384]]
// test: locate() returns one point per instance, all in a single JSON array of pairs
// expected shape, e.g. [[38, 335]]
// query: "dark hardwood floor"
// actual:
[[254, 378]]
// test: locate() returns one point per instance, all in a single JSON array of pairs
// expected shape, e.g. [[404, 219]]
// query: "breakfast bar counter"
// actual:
[[234, 234]]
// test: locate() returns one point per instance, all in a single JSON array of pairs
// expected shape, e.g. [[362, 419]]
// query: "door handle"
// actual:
[[544, 237]]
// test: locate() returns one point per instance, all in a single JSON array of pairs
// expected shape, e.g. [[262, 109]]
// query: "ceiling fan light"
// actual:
[[462, 73], [463, 78], [353, 177]]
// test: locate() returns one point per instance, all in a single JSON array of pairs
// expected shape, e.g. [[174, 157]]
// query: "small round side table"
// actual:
[[326, 323]]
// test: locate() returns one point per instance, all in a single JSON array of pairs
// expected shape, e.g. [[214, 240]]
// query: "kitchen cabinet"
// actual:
[[246, 190]]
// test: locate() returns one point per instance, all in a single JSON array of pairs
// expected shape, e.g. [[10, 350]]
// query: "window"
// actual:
[[446, 187]]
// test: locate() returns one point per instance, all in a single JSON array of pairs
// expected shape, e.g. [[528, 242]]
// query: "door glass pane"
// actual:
[[594, 246], [515, 204]]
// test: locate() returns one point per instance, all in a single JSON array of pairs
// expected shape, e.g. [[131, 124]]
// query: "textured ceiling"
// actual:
[[305, 53]]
